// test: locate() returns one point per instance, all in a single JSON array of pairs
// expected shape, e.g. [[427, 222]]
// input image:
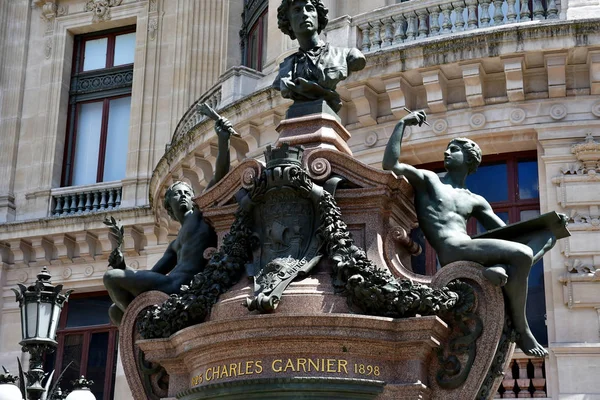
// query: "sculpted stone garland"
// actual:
[[193, 304], [374, 291]]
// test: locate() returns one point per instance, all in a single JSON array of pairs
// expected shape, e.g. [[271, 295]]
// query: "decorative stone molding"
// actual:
[[596, 109], [401, 95], [440, 126], [558, 111], [590, 219], [477, 121], [588, 153], [557, 81], [152, 28], [517, 116], [580, 289], [365, 101], [371, 139], [576, 266], [101, 9], [513, 69], [473, 75], [435, 83], [594, 67]]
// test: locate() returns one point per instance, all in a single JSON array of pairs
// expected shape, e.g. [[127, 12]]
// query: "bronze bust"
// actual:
[[314, 71]]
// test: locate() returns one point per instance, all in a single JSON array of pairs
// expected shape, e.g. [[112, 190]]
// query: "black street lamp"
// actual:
[[41, 305]]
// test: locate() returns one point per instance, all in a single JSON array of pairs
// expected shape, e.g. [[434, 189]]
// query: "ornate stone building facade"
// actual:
[[116, 82]]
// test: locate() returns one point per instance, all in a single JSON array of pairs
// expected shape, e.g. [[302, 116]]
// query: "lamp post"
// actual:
[[41, 305]]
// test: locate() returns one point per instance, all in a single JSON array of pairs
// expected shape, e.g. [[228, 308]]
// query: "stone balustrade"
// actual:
[[416, 20], [85, 199], [193, 117], [525, 377]]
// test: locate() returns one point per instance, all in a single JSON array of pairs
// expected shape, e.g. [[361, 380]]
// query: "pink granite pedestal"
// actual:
[[313, 346]]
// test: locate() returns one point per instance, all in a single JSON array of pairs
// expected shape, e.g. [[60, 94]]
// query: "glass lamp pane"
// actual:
[[124, 49], [54, 322], [528, 180], [94, 56], [32, 316], [45, 316], [87, 144], [24, 321], [117, 139]]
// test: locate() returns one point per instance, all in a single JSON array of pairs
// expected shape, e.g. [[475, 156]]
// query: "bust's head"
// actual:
[[179, 199], [283, 15], [471, 152]]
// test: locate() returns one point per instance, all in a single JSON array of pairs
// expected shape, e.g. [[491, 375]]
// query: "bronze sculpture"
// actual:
[[443, 207], [184, 256], [313, 72]]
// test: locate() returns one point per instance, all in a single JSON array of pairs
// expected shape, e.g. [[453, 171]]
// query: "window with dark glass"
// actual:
[[99, 107], [509, 182], [88, 341], [254, 34]]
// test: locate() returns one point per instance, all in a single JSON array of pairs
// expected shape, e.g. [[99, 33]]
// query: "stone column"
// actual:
[[14, 32], [199, 51]]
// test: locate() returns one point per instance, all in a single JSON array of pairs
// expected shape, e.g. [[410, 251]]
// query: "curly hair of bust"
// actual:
[[471, 150], [283, 21], [171, 191]]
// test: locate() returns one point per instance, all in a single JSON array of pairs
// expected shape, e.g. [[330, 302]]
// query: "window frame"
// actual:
[[87, 332], [255, 19], [77, 98]]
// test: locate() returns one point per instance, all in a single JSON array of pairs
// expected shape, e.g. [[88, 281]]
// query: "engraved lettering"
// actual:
[[259, 368], [301, 362], [330, 365], [342, 364], [289, 365]]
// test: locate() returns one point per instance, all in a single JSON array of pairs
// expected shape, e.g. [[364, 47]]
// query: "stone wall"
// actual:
[[529, 86]]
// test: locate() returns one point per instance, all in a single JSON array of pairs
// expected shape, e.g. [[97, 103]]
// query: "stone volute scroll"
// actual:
[[310, 290]]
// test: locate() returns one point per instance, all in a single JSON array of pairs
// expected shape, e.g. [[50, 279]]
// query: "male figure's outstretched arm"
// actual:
[[484, 214], [224, 129], [392, 151]]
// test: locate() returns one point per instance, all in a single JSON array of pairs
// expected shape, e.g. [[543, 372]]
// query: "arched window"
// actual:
[[254, 33]]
